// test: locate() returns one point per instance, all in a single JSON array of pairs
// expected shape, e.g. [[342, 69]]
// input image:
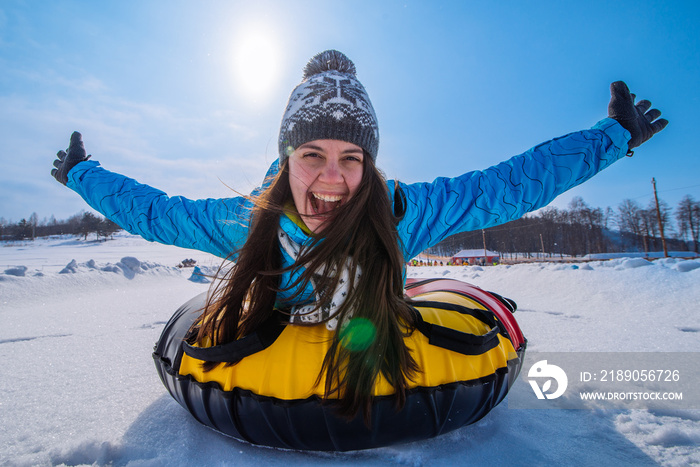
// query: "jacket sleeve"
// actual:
[[507, 191], [217, 226]]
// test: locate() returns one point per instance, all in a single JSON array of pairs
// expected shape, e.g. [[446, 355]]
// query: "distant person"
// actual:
[[326, 236]]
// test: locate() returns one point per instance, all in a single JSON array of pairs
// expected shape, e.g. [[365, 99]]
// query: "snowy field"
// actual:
[[78, 384]]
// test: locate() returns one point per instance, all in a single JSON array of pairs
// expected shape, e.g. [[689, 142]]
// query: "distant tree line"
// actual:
[[83, 224], [581, 230]]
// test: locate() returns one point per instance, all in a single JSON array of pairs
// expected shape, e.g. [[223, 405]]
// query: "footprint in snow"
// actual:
[[25, 339], [152, 325], [553, 313]]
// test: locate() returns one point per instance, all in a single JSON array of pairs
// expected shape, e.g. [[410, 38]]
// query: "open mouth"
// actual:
[[324, 204]]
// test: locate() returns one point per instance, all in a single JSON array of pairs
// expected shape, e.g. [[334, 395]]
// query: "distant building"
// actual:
[[476, 257]]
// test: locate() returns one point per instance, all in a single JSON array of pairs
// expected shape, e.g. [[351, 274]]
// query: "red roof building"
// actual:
[[476, 257]]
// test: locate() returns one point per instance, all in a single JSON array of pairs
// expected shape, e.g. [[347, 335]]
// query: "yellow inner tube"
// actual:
[[289, 368]]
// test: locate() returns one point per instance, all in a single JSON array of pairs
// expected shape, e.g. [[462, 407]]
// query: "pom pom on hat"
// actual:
[[330, 103], [327, 61]]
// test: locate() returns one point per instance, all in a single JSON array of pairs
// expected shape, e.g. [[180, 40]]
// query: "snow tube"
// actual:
[[467, 344]]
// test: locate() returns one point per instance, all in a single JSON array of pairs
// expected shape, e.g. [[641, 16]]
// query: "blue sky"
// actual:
[[169, 93]]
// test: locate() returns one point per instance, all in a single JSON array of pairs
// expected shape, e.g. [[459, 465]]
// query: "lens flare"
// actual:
[[358, 334]]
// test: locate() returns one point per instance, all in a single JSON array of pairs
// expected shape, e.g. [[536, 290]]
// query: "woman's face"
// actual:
[[323, 174]]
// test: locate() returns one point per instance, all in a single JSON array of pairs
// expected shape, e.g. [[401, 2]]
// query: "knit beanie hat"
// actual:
[[330, 103]]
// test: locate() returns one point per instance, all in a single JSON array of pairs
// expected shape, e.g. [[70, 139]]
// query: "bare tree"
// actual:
[[33, 222], [608, 217], [688, 217], [629, 219], [587, 227]]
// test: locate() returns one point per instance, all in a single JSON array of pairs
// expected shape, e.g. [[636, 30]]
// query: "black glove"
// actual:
[[641, 122], [66, 161]]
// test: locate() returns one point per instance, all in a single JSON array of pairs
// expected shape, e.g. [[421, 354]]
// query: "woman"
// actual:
[[326, 237]]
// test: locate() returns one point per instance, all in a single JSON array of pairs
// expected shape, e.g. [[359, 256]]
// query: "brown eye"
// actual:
[[353, 158]]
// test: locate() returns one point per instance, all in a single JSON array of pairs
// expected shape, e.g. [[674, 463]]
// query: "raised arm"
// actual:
[[218, 226], [524, 183]]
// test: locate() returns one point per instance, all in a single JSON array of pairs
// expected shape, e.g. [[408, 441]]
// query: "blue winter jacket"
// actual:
[[433, 211]]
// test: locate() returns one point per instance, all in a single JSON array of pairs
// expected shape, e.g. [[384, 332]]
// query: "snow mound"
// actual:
[[199, 276], [128, 266], [686, 266], [19, 271], [672, 439], [71, 268], [635, 263]]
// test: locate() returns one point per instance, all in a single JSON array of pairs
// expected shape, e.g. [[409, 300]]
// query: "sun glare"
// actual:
[[256, 62]]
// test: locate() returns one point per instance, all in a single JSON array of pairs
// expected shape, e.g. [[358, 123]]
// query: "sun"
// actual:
[[256, 61]]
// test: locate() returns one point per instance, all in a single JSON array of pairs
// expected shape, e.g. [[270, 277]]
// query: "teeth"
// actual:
[[328, 198]]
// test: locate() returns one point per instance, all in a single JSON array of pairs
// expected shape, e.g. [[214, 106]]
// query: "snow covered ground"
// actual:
[[78, 385]]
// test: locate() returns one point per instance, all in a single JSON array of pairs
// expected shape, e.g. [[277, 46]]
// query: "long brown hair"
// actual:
[[367, 235]]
